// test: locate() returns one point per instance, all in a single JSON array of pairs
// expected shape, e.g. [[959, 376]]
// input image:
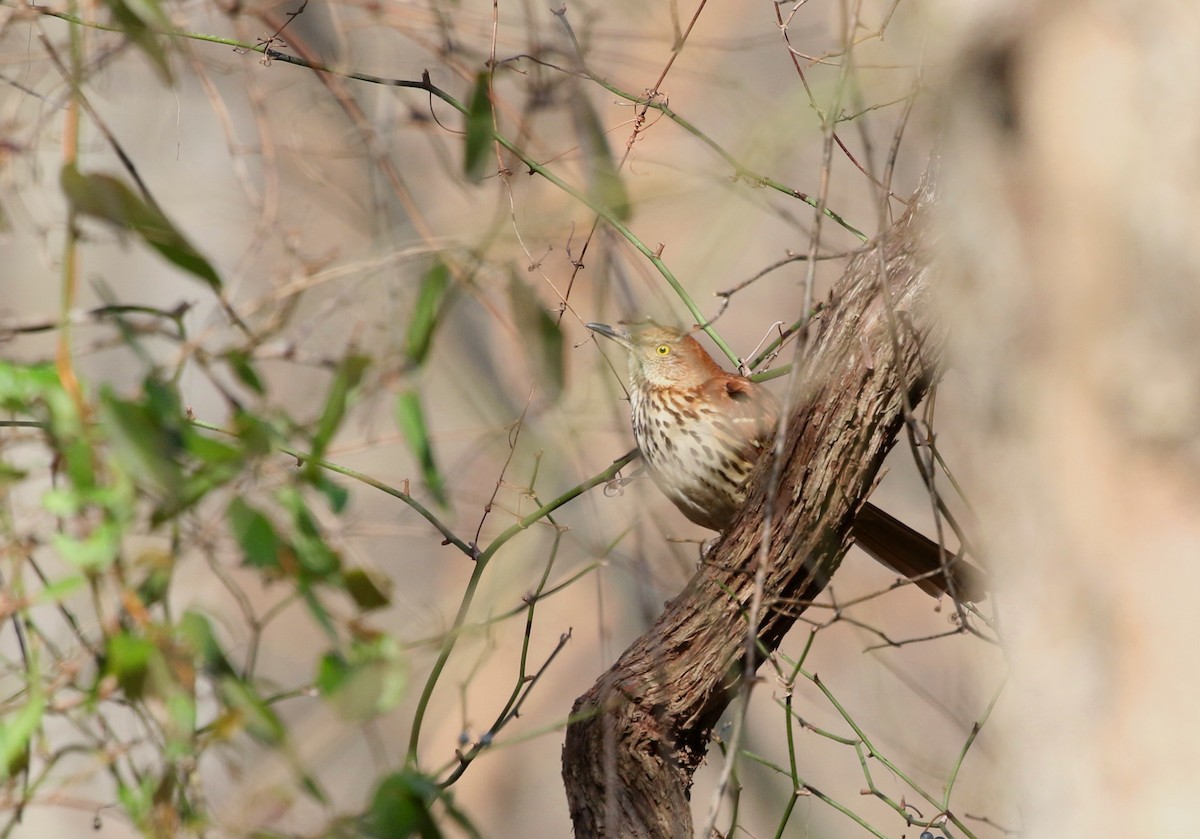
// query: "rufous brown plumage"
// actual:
[[701, 430]]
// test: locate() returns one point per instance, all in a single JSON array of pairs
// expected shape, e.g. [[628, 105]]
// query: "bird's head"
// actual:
[[660, 356]]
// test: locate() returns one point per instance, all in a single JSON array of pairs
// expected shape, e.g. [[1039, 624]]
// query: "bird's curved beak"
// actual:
[[621, 336]]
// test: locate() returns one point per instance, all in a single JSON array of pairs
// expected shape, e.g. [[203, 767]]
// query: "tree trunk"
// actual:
[[642, 730]]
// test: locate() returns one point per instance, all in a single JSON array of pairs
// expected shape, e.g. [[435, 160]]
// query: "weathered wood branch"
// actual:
[[642, 730]]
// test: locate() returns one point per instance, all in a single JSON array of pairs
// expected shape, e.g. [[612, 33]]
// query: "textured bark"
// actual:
[[642, 730]]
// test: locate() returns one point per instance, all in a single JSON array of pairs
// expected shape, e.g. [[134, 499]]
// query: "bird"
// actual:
[[701, 430]]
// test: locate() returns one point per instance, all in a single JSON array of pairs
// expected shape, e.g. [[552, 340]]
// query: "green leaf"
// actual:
[[147, 446], [219, 461], [216, 463], [61, 589], [410, 418], [10, 474], [22, 386], [137, 800], [94, 552], [162, 452], [141, 21], [426, 312], [63, 502], [196, 632], [317, 610], [369, 589], [336, 494], [16, 730], [254, 533], [156, 582], [210, 451], [241, 367], [543, 339], [401, 807], [153, 664], [604, 185], [79, 458], [317, 560], [181, 727], [255, 434], [128, 658], [36, 391], [480, 130], [369, 682], [309, 784], [345, 380], [108, 199], [261, 723], [331, 674]]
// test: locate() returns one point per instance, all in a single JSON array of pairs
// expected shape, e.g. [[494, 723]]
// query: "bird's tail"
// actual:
[[912, 555]]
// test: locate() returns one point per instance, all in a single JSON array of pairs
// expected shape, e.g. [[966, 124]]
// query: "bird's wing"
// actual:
[[748, 405]]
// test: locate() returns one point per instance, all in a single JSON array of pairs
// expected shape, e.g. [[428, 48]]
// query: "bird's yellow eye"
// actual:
[[663, 349]]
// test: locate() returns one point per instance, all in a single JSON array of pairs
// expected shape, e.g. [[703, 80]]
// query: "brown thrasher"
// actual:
[[701, 430]]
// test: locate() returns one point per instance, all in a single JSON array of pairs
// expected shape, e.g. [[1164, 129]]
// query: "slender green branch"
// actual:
[[877, 755], [806, 789], [303, 457], [821, 732], [606, 213], [975, 729], [481, 564], [865, 751], [740, 171], [524, 683], [548, 508], [434, 640], [773, 373]]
